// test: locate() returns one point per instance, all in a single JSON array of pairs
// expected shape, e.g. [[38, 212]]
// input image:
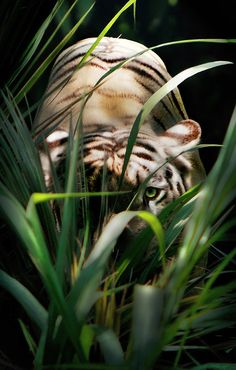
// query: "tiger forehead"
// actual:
[[109, 149], [116, 139]]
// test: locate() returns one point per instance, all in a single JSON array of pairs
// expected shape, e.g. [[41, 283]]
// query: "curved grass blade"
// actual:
[[90, 276], [191, 41], [105, 30], [29, 54], [133, 255], [217, 193], [36, 41], [28, 85], [31, 305], [114, 229], [27, 226], [87, 95], [110, 346], [156, 98]]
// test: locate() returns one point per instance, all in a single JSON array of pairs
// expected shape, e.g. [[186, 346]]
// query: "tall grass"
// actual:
[[151, 303]]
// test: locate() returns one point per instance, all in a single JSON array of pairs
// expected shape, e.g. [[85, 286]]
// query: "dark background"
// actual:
[[209, 97]]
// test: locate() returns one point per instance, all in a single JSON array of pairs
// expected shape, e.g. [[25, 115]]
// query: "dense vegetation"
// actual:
[[68, 302]]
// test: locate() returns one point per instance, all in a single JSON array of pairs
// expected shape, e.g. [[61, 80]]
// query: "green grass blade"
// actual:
[[31, 305], [158, 231], [24, 175], [114, 229], [39, 356], [190, 41], [215, 366], [29, 339], [35, 76], [29, 56], [90, 276], [217, 193], [110, 346], [147, 325], [69, 213], [133, 255], [87, 338], [27, 226], [105, 30], [157, 97]]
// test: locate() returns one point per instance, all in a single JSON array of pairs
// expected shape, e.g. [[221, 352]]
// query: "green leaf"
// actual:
[[106, 29], [110, 346], [29, 54], [84, 292], [35, 76], [34, 309], [215, 366], [86, 338], [147, 326], [114, 229], [29, 339], [157, 97]]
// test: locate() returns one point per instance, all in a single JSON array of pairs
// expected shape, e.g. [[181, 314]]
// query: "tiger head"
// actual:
[[160, 168]]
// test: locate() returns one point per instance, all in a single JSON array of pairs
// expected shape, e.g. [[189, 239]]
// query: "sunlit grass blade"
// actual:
[[217, 193], [29, 58], [87, 338], [190, 41], [157, 97], [106, 29], [215, 196], [114, 229], [35, 76], [38, 198]]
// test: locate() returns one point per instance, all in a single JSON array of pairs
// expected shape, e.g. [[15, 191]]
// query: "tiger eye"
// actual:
[[151, 192]]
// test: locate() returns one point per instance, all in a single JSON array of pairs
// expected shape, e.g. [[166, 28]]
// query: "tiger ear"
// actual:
[[184, 135]]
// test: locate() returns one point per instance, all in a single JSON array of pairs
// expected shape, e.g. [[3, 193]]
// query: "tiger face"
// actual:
[[159, 168]]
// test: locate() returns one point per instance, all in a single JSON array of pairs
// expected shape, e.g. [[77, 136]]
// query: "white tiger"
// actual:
[[108, 108]]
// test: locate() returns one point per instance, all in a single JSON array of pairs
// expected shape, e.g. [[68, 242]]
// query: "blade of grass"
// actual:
[[156, 98], [215, 366], [105, 30], [31, 305], [22, 170], [147, 326], [27, 226], [216, 195], [35, 76], [29, 54], [29, 339], [88, 281], [110, 346]]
